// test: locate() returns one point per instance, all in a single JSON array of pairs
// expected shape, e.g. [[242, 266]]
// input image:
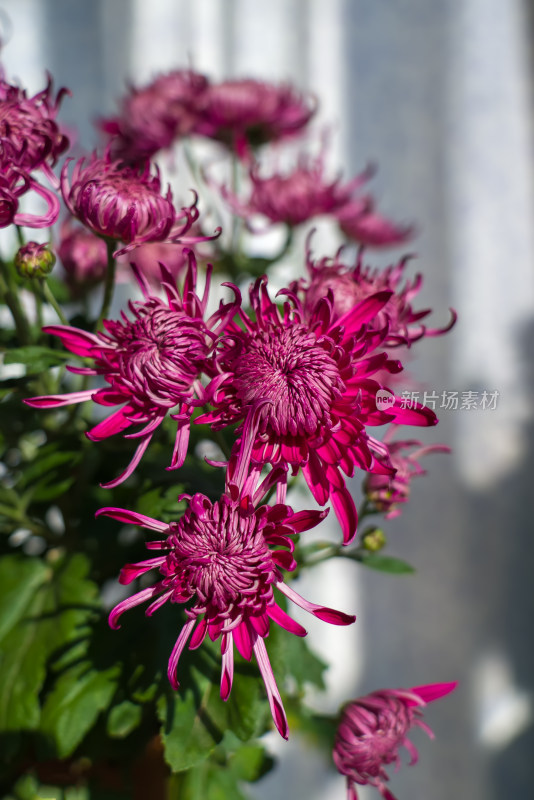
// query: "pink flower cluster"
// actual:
[[238, 113], [297, 374]]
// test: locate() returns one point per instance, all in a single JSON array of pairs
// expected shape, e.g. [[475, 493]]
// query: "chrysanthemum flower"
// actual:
[[360, 222], [247, 112], [30, 141], [83, 255], [28, 124], [316, 370], [224, 559], [387, 492], [152, 117], [124, 203], [151, 361], [292, 198], [351, 285], [374, 728]]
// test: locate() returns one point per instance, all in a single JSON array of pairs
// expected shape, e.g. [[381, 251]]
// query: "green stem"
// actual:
[[10, 292], [37, 292], [49, 297], [20, 236], [109, 285]]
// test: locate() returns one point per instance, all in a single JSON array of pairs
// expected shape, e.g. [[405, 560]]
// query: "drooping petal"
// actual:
[[275, 701], [177, 652], [321, 612], [346, 513], [227, 672], [131, 602]]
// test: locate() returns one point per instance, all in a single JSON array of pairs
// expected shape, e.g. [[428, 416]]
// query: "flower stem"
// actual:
[[109, 285], [10, 292], [49, 297]]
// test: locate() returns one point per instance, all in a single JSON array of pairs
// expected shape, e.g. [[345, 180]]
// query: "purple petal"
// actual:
[[279, 616], [275, 701], [77, 341], [132, 518], [177, 652], [113, 424], [57, 400], [227, 672], [345, 511], [433, 691]]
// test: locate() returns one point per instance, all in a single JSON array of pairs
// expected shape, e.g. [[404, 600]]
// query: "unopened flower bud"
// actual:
[[373, 540], [34, 260]]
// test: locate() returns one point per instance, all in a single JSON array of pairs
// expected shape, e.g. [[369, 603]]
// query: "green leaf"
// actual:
[[221, 776], [187, 739], [42, 609], [76, 700], [123, 719], [36, 358], [292, 660], [395, 566]]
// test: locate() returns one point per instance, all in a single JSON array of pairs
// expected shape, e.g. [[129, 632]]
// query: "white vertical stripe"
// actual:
[[491, 213]]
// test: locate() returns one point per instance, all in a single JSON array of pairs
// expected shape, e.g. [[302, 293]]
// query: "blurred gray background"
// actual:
[[438, 93]]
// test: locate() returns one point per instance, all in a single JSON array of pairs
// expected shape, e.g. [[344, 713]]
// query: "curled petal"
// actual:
[[321, 612], [177, 652]]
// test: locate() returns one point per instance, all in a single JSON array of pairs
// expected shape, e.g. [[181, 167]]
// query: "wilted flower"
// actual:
[[224, 559], [83, 255], [152, 363], [374, 728], [152, 117], [386, 492], [316, 371], [247, 112], [351, 285], [124, 203], [34, 260]]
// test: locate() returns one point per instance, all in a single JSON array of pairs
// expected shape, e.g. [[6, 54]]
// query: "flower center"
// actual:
[[219, 555], [296, 371], [157, 356]]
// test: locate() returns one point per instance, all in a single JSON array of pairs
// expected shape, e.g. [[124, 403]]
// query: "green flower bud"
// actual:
[[373, 540], [34, 260]]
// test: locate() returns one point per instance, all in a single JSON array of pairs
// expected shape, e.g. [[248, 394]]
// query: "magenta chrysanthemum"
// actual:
[[83, 255], [316, 372], [28, 124], [374, 728], [151, 361], [351, 285], [295, 197], [30, 141], [360, 222], [387, 492], [247, 112], [152, 117], [224, 559], [124, 203]]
